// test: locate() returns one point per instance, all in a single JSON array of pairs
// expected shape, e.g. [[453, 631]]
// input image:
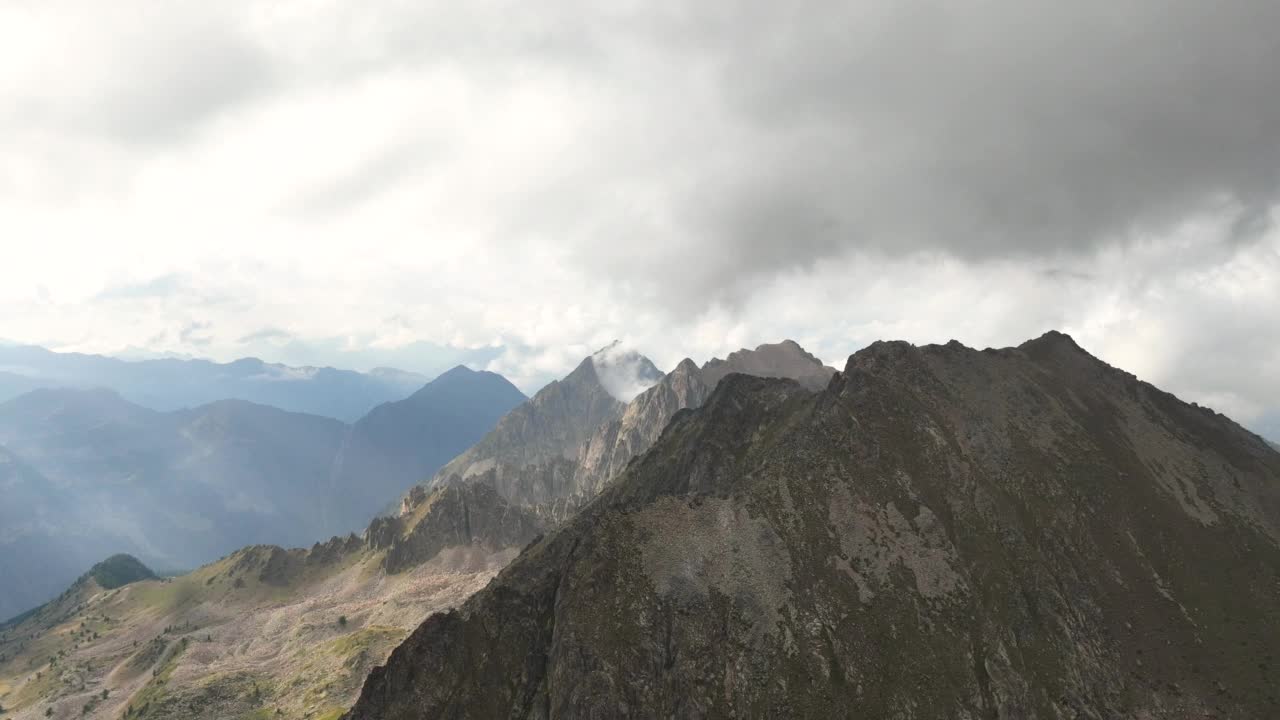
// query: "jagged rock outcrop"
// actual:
[[559, 450], [781, 360], [552, 424], [531, 456], [453, 514], [614, 445], [940, 532]]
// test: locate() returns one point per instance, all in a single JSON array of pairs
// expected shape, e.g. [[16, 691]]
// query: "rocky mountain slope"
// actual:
[[940, 532], [94, 473], [172, 384], [591, 448], [261, 633], [532, 451], [614, 444]]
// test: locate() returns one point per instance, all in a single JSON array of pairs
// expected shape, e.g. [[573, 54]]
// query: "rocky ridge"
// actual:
[[940, 532], [592, 448]]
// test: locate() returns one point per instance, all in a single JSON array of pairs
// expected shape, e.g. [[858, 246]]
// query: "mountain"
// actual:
[[560, 449], [263, 632], [168, 384], [36, 561], [782, 360], [120, 570], [623, 372], [400, 443], [93, 471], [939, 532], [532, 450], [1275, 445], [614, 444]]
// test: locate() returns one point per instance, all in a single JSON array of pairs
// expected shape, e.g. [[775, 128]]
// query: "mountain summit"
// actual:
[[623, 372], [532, 451], [939, 532]]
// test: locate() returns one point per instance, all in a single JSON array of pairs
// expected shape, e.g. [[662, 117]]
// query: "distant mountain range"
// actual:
[[173, 384], [1023, 532], [87, 472]]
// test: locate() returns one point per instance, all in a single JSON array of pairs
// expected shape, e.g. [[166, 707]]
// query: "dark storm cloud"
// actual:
[[983, 129]]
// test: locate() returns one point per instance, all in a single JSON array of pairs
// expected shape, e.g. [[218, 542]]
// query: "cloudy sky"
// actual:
[[515, 184]]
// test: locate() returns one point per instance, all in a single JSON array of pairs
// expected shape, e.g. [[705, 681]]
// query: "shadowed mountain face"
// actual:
[[401, 443], [940, 532], [36, 561], [172, 384], [93, 473]]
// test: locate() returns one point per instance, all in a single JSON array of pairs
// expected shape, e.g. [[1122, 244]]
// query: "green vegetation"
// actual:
[[375, 636], [120, 570]]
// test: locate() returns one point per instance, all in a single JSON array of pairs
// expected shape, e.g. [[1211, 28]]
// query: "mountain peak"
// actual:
[[457, 371], [782, 359], [1052, 340], [120, 570], [623, 372]]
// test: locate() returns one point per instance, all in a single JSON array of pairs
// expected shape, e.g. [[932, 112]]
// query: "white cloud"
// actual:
[[692, 179]]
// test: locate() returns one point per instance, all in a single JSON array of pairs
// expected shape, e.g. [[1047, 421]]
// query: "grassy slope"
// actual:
[[252, 634]]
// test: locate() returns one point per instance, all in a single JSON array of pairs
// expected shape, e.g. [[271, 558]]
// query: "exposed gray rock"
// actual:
[[561, 448], [456, 514], [940, 532], [782, 360]]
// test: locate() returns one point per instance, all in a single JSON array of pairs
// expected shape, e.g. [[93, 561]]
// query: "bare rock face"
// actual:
[[782, 360], [614, 445], [940, 532], [454, 514], [561, 448], [551, 426]]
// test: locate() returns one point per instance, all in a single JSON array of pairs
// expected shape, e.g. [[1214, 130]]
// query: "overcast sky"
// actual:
[[516, 184]]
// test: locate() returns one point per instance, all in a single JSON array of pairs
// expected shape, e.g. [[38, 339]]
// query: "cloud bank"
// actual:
[[242, 178]]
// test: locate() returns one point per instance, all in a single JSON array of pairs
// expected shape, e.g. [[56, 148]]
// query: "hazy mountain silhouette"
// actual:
[[86, 473], [171, 384]]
